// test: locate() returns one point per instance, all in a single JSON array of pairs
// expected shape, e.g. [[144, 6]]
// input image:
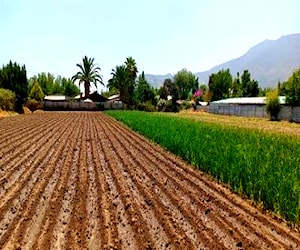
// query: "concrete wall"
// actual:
[[65, 105], [286, 112]]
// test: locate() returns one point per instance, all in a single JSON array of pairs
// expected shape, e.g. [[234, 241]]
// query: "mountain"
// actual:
[[268, 62], [157, 80]]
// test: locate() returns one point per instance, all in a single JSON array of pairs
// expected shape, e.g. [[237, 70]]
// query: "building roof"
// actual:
[[113, 97], [54, 98], [247, 100]]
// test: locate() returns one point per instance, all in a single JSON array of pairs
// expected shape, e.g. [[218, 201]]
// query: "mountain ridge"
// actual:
[[268, 62]]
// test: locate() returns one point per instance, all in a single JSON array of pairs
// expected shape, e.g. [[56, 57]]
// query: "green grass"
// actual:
[[264, 167]]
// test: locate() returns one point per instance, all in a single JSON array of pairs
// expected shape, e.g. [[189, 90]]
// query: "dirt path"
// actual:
[[84, 181]]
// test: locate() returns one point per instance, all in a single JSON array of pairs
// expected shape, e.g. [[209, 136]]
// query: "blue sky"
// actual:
[[163, 36]]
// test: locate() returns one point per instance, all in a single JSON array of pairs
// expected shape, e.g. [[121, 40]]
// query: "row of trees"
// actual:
[[13, 77], [222, 85], [52, 85], [16, 89]]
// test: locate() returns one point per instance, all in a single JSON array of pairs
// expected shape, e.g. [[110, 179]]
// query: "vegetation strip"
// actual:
[[262, 166]]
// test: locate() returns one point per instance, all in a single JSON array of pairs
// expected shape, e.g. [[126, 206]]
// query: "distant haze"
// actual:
[[268, 62]]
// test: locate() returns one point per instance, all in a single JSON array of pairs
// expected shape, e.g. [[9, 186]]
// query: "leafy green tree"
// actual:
[[219, 85], [89, 73], [14, 77], [169, 88], [7, 100], [186, 83], [121, 82], [273, 104], [36, 92], [69, 88], [143, 92], [293, 89], [249, 86], [236, 88]]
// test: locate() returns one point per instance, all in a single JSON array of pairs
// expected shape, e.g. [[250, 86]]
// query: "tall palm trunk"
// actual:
[[86, 89]]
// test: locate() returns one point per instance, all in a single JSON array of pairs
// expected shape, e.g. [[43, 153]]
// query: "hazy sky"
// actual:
[[163, 36]]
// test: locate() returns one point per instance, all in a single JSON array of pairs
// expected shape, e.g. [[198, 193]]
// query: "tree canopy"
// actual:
[[219, 85], [124, 80], [14, 77], [186, 83], [89, 73], [292, 89]]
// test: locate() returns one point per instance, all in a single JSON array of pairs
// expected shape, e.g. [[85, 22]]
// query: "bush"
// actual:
[[186, 105], [33, 105], [273, 104], [36, 92], [7, 100]]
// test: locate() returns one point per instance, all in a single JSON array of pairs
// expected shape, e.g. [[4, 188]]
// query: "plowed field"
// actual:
[[83, 181]]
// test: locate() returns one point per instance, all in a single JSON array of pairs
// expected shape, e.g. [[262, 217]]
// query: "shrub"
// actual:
[[273, 104], [33, 105], [36, 92], [7, 100]]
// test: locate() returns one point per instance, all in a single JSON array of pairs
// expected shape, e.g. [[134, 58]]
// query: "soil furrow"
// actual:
[[187, 218], [134, 218], [76, 237], [62, 226], [107, 221], [35, 194], [20, 164], [30, 165], [82, 180], [43, 240]]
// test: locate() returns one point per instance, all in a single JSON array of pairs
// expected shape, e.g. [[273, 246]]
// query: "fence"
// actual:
[[286, 112], [65, 105]]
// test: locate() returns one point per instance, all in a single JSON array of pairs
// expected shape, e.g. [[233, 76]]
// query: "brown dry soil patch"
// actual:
[[82, 180], [261, 124]]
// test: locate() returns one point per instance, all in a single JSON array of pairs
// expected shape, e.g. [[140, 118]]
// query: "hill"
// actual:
[[268, 62]]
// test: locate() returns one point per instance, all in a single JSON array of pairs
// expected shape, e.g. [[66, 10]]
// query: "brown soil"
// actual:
[[82, 180]]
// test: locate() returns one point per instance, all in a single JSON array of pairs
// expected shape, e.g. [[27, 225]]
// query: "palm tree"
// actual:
[[120, 82], [88, 73], [131, 68]]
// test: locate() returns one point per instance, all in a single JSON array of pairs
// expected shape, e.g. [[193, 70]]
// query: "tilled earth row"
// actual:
[[81, 180]]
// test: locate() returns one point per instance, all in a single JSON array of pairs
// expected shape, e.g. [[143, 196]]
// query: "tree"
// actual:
[[69, 88], [186, 83], [143, 92], [124, 80], [292, 89], [236, 88], [219, 85], [249, 87], [14, 77], [131, 70], [120, 81], [273, 104], [88, 74], [169, 88], [36, 92]]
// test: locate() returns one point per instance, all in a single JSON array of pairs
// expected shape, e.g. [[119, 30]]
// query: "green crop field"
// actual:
[[262, 166]]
